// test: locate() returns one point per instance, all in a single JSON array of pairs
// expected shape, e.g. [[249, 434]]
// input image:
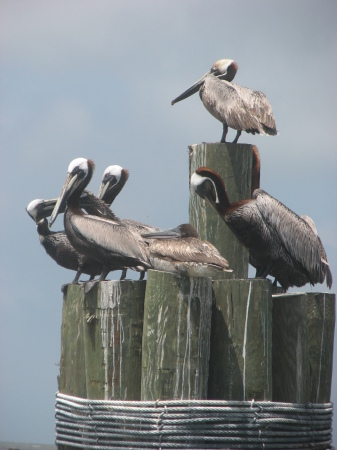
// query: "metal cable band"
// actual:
[[196, 424]]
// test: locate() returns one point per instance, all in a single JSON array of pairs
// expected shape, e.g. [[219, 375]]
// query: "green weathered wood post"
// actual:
[[240, 364], [234, 163], [72, 379], [303, 335], [176, 337], [241, 342], [101, 340]]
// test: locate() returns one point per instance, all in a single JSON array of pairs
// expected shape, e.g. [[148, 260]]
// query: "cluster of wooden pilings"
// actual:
[[174, 337]]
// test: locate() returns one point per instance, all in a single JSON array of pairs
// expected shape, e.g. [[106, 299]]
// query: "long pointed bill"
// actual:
[[62, 200], [171, 233], [103, 189], [47, 207], [191, 90]]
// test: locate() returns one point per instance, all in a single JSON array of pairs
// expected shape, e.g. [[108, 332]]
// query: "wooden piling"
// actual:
[[234, 163], [176, 337], [101, 340], [72, 380], [241, 341], [303, 335]]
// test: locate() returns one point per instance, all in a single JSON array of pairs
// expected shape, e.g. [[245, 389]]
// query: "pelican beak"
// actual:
[[47, 208], [104, 187], [60, 205], [171, 233], [191, 90]]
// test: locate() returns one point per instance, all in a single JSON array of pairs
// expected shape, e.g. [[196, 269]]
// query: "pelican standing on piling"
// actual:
[[234, 106], [280, 243], [108, 241], [56, 243]]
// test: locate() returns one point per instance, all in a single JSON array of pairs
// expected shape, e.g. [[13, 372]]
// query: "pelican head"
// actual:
[[80, 171], [184, 230], [204, 186], [225, 69], [209, 185], [113, 180], [39, 209]]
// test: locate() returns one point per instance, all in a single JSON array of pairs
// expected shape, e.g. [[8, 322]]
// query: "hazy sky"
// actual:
[[95, 79]]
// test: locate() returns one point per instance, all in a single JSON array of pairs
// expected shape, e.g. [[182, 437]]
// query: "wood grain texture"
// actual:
[[102, 340], [176, 337], [303, 334], [241, 341], [72, 379], [234, 163]]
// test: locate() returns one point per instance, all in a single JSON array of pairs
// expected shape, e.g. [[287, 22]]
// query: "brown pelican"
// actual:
[[57, 244], [179, 250], [108, 241], [234, 106], [280, 243]]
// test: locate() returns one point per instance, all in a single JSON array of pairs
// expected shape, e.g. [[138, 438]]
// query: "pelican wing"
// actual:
[[225, 101], [257, 102], [324, 257], [110, 235], [187, 250], [297, 237]]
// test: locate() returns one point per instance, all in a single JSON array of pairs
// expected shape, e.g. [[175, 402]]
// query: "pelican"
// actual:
[[57, 244], [108, 241], [234, 106], [280, 243], [179, 250]]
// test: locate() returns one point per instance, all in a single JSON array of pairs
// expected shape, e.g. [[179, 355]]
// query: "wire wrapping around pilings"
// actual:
[[191, 424]]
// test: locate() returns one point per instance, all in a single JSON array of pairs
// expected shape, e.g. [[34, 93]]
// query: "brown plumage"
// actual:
[[108, 241], [180, 250], [57, 244], [280, 243], [58, 247], [235, 106]]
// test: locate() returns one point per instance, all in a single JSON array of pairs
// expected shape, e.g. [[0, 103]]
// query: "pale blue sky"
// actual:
[[95, 79]]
